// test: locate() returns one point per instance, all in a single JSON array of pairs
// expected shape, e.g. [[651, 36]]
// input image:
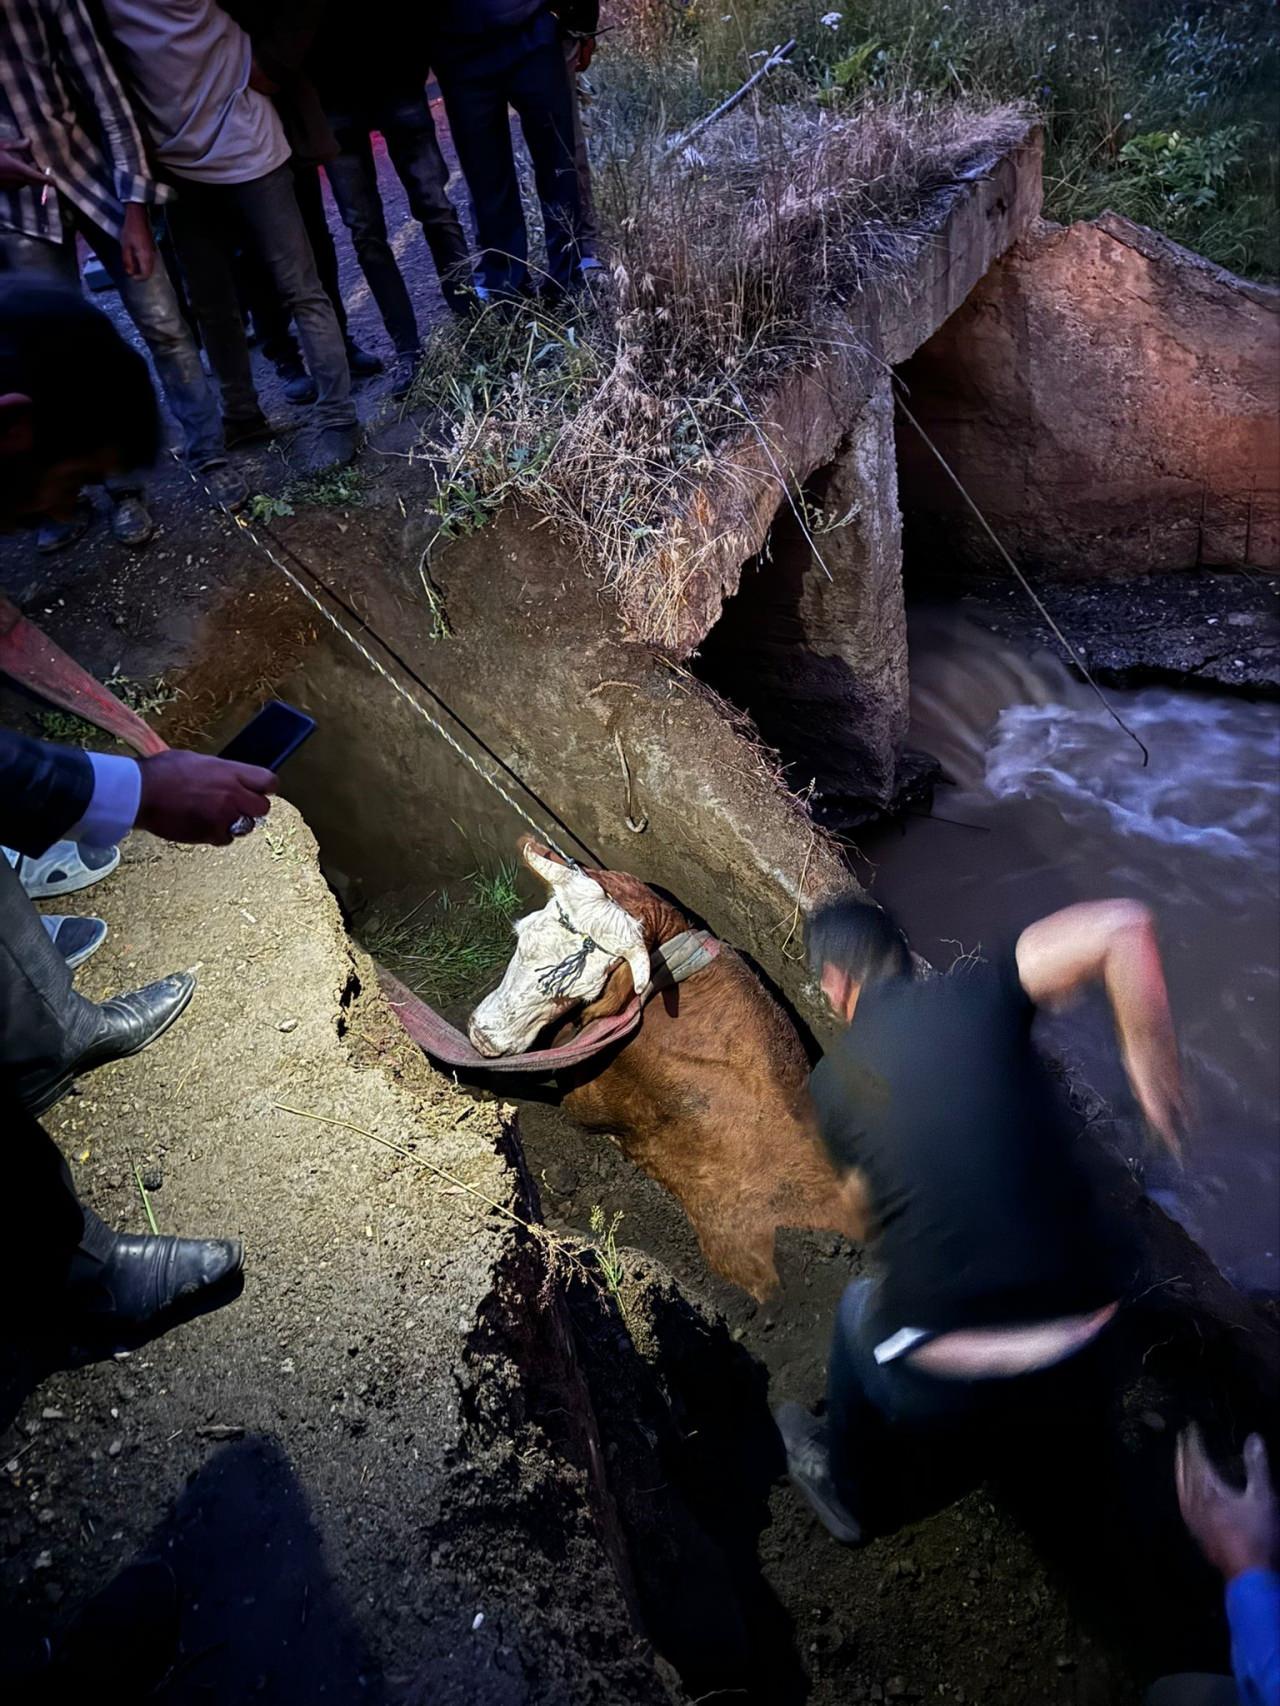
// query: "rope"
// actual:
[[379, 668], [1022, 580]]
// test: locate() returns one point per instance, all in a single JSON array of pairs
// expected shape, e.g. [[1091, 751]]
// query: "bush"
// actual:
[[1102, 73]]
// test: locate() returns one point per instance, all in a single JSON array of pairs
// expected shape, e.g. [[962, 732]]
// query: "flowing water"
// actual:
[[1050, 803]]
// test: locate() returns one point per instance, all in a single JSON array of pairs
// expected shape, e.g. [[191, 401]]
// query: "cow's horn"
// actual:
[[637, 958], [551, 871]]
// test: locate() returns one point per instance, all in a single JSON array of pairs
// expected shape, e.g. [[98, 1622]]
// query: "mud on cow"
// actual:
[[709, 1096]]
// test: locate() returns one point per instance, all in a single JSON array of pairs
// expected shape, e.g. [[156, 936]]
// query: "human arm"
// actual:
[[1113, 943], [44, 790], [121, 137], [50, 792], [137, 242], [1239, 1533], [579, 19]]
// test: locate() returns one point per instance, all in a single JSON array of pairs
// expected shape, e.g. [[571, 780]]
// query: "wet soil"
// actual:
[[1201, 628]]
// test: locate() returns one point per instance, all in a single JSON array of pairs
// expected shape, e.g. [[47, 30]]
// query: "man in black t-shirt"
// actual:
[[998, 1271]]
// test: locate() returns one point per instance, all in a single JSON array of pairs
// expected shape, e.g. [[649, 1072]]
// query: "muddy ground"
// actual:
[[348, 1465], [1213, 628]]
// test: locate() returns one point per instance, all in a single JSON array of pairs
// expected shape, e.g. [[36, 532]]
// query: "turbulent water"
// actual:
[[1051, 803]]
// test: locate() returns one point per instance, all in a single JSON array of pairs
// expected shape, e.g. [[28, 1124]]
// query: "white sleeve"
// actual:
[[113, 805]]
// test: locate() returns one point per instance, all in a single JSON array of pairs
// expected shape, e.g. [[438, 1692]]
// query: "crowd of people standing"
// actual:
[[182, 142]]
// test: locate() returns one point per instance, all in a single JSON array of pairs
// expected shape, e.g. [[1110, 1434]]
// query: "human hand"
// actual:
[[16, 166], [1236, 1531], [585, 54], [137, 243], [192, 796]]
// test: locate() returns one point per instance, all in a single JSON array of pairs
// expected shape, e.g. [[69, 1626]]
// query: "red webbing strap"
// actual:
[[443, 1042], [32, 659]]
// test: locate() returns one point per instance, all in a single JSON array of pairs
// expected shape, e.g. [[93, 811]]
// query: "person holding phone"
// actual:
[[75, 399]]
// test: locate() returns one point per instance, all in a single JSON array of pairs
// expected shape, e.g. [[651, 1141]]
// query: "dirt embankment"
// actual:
[[376, 1465]]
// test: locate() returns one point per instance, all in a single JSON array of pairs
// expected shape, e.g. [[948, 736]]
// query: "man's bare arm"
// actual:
[[1113, 942]]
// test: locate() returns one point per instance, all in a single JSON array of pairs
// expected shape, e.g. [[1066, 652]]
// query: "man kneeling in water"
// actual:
[[998, 1271]]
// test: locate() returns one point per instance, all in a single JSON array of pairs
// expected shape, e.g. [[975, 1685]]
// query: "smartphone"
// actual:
[[273, 735]]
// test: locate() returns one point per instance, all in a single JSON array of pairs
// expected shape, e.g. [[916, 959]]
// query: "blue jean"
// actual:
[[153, 306], [522, 68], [409, 131], [902, 1441], [208, 221]]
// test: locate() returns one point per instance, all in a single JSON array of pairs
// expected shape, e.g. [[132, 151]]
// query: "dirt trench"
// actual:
[[618, 1452]]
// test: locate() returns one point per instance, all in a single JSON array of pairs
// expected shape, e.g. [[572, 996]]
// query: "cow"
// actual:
[[709, 1096]]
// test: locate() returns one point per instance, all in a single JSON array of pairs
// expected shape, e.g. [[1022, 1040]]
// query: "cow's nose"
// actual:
[[482, 1042]]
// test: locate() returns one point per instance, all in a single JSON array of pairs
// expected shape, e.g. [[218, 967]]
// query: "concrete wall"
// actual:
[[814, 643], [1112, 403]]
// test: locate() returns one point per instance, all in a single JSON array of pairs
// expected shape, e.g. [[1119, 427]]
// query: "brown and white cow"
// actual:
[[709, 1096]]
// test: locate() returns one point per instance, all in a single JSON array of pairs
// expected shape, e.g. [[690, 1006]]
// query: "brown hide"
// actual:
[[711, 1098]]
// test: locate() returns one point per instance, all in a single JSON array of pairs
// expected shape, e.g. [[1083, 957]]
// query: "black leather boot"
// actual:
[[119, 1282], [126, 1024]]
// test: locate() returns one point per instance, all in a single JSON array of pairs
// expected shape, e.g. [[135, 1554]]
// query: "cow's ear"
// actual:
[[543, 863]]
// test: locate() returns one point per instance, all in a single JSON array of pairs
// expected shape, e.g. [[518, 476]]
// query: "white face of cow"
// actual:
[[564, 955]]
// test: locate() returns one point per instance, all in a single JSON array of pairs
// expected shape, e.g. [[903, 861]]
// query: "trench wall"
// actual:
[[1112, 403]]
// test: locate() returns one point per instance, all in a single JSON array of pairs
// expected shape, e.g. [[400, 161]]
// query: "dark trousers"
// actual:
[[903, 1442], [208, 221], [270, 316], [44, 1022], [46, 1232], [409, 132], [525, 69]]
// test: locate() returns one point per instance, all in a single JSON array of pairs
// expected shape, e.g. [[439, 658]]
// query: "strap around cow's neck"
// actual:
[[673, 961]]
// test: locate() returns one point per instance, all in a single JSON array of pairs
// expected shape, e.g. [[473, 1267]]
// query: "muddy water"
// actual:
[[1050, 803]]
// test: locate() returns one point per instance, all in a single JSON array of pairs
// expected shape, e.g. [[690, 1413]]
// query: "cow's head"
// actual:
[[564, 956]]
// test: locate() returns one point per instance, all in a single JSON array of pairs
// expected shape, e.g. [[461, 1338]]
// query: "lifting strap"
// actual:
[[30, 658], [670, 963]]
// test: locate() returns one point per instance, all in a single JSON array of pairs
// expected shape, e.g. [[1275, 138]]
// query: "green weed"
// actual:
[[341, 488], [262, 506], [447, 948], [604, 1231], [143, 694]]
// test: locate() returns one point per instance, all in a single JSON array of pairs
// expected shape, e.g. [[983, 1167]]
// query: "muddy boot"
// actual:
[[132, 523], [224, 484], [809, 1467], [58, 535], [332, 447], [404, 370], [299, 386]]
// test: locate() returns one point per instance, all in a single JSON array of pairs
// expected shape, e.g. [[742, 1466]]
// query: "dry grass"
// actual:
[[732, 261]]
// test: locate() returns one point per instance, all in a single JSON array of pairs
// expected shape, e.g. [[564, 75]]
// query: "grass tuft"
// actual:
[[447, 949], [730, 259], [143, 694], [730, 265]]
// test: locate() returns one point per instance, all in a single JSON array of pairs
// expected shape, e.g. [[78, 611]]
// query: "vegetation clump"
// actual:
[[732, 253]]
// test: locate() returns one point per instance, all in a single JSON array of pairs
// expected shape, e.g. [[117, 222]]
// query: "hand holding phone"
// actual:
[[193, 797]]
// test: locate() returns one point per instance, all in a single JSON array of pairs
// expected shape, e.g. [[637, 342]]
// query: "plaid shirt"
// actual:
[[59, 91]]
